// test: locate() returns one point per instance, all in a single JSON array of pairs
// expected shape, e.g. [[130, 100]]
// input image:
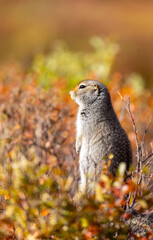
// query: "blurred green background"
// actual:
[[29, 27]]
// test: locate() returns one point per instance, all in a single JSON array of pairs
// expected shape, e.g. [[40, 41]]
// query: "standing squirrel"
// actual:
[[99, 132]]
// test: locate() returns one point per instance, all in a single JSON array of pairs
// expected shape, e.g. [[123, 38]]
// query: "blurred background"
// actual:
[[29, 27]]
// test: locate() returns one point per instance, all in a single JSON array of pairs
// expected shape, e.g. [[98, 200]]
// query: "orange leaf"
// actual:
[[44, 212]]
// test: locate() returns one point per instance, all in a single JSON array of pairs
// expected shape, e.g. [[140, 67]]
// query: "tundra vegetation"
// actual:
[[38, 166]]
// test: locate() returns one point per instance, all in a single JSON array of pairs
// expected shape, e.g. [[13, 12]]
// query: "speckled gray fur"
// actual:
[[98, 132]]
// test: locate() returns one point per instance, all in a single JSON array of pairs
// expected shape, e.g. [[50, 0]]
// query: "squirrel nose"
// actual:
[[70, 92]]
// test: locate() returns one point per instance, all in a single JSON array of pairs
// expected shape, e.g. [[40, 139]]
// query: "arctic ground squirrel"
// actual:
[[98, 133]]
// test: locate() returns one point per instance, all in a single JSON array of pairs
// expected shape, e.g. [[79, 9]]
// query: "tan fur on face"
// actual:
[[91, 87]]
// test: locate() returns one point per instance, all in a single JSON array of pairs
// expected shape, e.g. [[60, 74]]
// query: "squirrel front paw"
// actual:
[[78, 144], [77, 147]]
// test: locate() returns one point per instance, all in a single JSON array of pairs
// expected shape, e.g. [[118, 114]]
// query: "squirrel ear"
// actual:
[[95, 87]]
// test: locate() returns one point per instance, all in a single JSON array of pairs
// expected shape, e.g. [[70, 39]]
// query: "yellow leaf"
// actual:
[[110, 155], [143, 203], [99, 193], [84, 222]]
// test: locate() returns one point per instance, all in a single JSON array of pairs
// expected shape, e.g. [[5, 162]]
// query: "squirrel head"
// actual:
[[88, 91]]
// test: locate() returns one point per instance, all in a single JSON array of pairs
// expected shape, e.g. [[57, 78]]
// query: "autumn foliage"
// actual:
[[39, 169]]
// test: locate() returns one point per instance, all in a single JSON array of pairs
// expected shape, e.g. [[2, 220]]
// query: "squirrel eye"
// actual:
[[82, 86]]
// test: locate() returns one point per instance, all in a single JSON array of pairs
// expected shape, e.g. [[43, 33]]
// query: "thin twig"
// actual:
[[139, 151], [149, 156], [146, 129], [127, 105]]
